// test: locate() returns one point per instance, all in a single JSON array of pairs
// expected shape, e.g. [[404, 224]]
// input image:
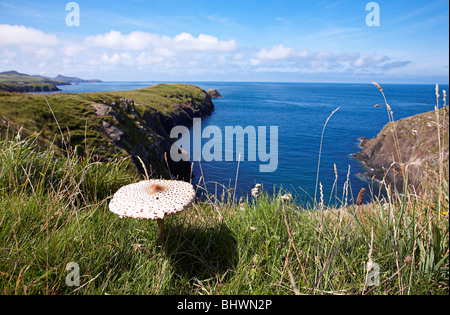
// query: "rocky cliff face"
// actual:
[[134, 124], [28, 88], [415, 151], [144, 131]]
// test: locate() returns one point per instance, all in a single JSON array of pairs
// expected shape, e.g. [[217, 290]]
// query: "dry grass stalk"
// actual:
[[393, 129], [441, 151], [320, 151]]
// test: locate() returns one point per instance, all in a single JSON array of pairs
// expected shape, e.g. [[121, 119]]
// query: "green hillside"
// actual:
[[132, 123]]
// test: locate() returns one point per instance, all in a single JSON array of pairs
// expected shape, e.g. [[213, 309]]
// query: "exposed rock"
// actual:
[[146, 135], [112, 132], [214, 93], [415, 152], [101, 110]]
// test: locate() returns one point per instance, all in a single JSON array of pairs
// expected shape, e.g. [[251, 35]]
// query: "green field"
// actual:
[[54, 211]]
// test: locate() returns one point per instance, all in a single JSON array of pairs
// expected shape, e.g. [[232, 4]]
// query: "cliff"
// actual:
[[112, 124], [414, 153], [28, 88]]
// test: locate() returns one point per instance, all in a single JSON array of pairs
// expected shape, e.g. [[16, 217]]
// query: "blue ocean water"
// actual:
[[300, 111]]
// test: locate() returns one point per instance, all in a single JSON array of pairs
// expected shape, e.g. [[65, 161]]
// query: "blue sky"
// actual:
[[212, 40]]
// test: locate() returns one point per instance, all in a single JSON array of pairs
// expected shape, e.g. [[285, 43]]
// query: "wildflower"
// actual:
[[255, 191]]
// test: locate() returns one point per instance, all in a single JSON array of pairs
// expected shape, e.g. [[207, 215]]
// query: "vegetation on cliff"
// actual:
[[28, 87], [412, 149], [114, 124], [418, 146]]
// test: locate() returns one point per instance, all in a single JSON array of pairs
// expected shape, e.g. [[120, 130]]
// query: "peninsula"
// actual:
[[13, 81]]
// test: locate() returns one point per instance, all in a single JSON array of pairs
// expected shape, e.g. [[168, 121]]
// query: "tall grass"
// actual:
[[54, 211]]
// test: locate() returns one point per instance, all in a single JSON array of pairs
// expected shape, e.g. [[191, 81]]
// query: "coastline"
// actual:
[[411, 156], [134, 123]]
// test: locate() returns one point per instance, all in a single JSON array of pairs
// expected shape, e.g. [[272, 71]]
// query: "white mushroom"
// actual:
[[152, 199]]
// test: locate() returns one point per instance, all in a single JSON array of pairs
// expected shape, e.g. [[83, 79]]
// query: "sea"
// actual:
[[319, 126]]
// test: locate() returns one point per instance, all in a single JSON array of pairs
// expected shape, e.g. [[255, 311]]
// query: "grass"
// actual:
[[79, 125], [54, 211]]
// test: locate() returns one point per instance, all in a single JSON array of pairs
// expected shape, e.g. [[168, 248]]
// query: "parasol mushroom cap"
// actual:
[[152, 199]]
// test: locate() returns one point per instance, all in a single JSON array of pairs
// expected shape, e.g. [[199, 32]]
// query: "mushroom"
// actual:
[[152, 199]]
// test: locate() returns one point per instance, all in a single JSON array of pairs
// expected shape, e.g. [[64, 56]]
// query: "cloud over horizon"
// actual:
[[149, 54]]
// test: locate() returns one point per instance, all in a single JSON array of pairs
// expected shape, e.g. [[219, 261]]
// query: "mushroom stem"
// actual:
[[161, 229]]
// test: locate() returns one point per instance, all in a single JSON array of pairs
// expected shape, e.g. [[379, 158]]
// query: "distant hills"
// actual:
[[13, 81], [75, 80]]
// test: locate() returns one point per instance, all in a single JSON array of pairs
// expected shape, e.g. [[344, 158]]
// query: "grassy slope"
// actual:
[[54, 211], [82, 127]]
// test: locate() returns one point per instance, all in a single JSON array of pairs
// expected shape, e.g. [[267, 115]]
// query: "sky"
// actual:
[[340, 41]]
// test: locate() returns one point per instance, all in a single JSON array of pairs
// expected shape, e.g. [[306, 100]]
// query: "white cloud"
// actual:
[[146, 54], [365, 61], [278, 52], [284, 59], [21, 35], [255, 62], [134, 41], [115, 59], [71, 49], [186, 41], [44, 53], [141, 40]]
